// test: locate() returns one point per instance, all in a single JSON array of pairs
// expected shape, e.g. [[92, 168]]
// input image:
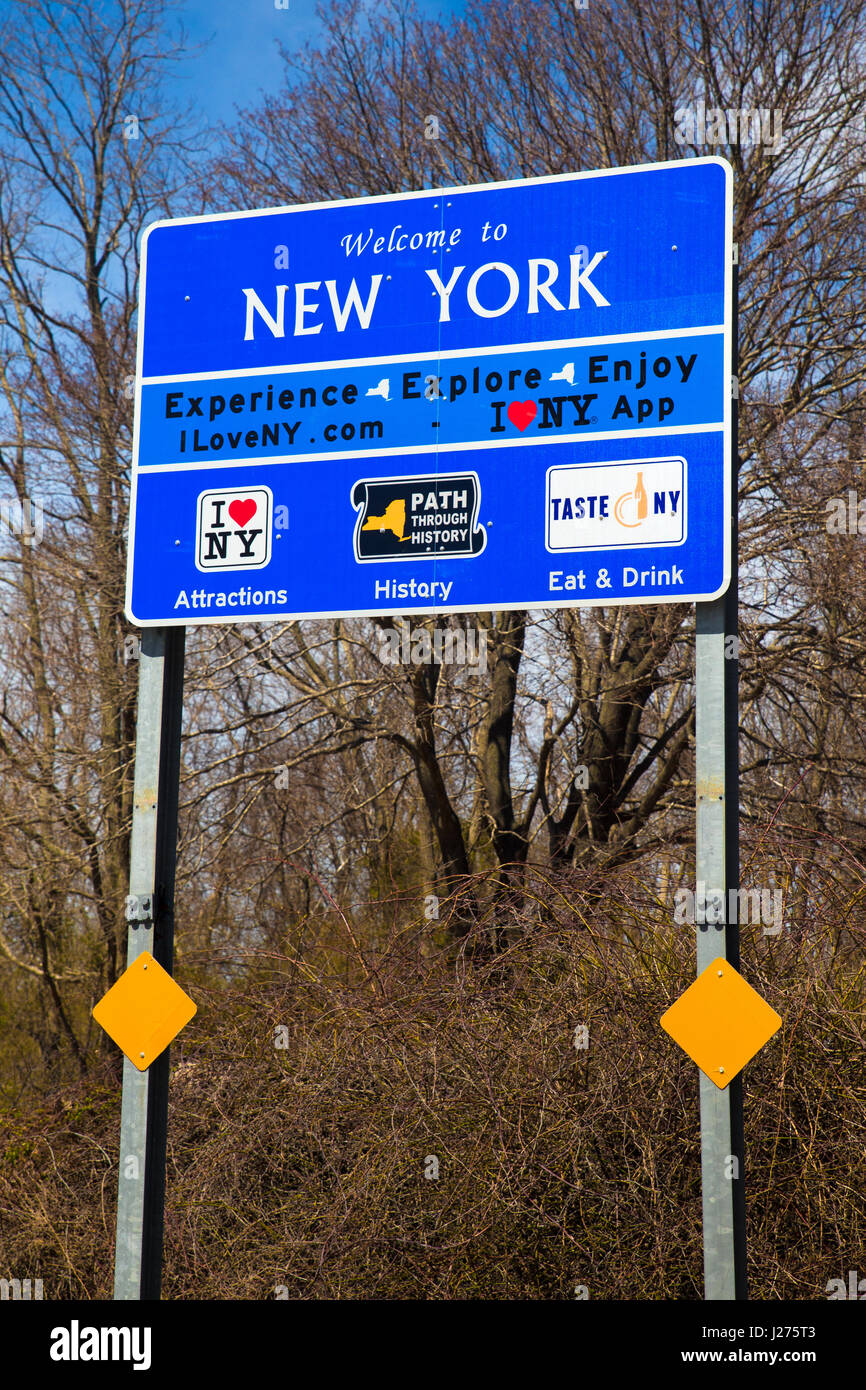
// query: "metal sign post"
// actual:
[[717, 862], [150, 912]]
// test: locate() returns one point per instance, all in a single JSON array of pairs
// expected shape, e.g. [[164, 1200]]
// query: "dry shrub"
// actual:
[[304, 1165]]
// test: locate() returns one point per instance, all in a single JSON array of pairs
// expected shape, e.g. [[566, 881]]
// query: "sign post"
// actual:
[[717, 862], [720, 1021], [150, 912]]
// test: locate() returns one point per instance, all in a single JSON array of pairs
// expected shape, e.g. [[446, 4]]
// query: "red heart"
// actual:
[[522, 413], [242, 511]]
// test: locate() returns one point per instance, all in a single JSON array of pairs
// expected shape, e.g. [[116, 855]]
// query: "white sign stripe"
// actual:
[[558, 345], [472, 445]]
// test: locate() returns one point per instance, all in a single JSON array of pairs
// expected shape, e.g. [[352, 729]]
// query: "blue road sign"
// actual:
[[514, 395]]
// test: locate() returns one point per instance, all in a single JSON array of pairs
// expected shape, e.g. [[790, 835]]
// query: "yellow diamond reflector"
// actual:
[[721, 1022], [144, 1011]]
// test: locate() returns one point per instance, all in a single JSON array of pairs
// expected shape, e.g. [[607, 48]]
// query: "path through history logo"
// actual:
[[418, 518]]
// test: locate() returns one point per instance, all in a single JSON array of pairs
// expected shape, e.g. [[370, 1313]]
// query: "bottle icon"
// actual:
[[640, 498], [632, 507]]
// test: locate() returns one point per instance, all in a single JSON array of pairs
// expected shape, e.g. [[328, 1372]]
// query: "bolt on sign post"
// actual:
[[511, 395]]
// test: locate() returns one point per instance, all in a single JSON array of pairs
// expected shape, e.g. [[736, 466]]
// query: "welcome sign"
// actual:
[[504, 396]]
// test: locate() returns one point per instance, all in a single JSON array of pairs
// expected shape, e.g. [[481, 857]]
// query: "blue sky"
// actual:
[[240, 58]]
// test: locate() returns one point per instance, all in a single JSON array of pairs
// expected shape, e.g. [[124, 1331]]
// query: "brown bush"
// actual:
[[304, 1165]]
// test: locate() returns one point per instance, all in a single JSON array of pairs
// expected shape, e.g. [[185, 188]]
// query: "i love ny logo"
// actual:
[[233, 530]]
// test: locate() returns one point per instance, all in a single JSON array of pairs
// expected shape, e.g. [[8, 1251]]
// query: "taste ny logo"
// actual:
[[233, 529], [600, 506]]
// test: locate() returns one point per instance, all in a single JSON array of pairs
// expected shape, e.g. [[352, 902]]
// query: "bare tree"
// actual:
[[86, 152], [517, 90]]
